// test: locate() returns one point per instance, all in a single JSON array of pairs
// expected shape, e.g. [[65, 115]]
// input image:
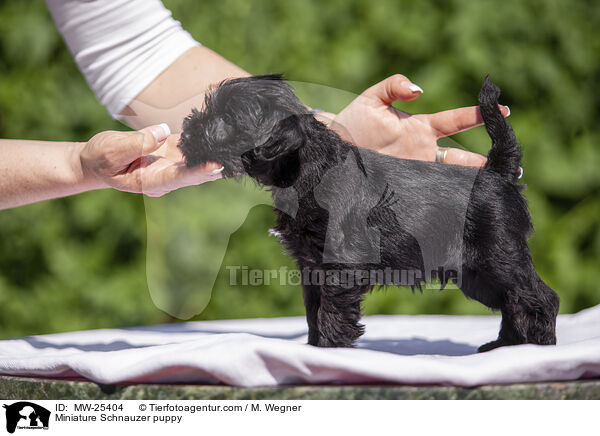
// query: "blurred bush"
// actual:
[[79, 263]]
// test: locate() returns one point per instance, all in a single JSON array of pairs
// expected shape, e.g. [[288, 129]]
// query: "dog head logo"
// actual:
[[26, 415]]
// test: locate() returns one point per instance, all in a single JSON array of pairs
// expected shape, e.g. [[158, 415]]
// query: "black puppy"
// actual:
[[354, 219]]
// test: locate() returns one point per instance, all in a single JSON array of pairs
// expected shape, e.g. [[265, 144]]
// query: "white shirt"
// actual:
[[120, 46]]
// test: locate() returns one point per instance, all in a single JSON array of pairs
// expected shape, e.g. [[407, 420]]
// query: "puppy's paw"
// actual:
[[491, 345]]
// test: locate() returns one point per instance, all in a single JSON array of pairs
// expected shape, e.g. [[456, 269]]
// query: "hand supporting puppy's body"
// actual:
[[360, 211]]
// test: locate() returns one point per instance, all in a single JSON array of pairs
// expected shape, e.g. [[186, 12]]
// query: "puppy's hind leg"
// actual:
[[542, 327], [512, 328], [528, 315], [476, 284]]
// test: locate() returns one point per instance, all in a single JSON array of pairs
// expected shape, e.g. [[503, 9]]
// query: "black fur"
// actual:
[[344, 210], [505, 156]]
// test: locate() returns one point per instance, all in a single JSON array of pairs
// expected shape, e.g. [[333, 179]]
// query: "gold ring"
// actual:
[[440, 155]]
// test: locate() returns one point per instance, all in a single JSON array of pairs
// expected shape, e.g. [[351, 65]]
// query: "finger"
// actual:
[[456, 156], [176, 175], [143, 142], [155, 176], [211, 168], [457, 120], [181, 176], [169, 149], [396, 87]]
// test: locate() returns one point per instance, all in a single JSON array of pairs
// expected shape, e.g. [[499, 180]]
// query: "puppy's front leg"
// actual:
[[312, 302], [339, 315]]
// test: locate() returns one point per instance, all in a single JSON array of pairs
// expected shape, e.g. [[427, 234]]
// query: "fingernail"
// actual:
[[415, 88], [161, 132], [217, 171], [508, 109]]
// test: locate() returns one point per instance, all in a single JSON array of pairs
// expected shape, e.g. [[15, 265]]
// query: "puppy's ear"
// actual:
[[277, 161]]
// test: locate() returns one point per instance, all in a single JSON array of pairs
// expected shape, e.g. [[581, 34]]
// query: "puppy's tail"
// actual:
[[505, 155]]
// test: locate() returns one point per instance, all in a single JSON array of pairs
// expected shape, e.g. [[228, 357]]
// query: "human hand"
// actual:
[[147, 161], [371, 122]]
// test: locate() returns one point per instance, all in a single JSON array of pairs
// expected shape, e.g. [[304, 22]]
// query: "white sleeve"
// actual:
[[120, 46]]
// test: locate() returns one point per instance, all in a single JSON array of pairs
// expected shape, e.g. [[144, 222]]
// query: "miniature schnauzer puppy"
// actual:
[[345, 212]]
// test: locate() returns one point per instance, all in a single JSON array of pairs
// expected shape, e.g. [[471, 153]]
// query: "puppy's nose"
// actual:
[[186, 136]]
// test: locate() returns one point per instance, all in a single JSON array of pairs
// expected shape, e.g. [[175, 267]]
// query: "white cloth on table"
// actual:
[[427, 349]]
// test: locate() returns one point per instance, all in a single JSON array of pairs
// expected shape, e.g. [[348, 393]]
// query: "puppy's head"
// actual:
[[240, 115]]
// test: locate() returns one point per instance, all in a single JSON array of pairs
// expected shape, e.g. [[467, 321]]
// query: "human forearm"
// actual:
[[181, 87], [147, 161], [32, 171], [164, 84]]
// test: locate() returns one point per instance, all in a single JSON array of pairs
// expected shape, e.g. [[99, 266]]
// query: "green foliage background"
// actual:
[[79, 263]]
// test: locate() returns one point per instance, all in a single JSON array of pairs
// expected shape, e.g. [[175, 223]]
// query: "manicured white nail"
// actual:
[[415, 88], [161, 132], [165, 127], [217, 171], [508, 109]]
